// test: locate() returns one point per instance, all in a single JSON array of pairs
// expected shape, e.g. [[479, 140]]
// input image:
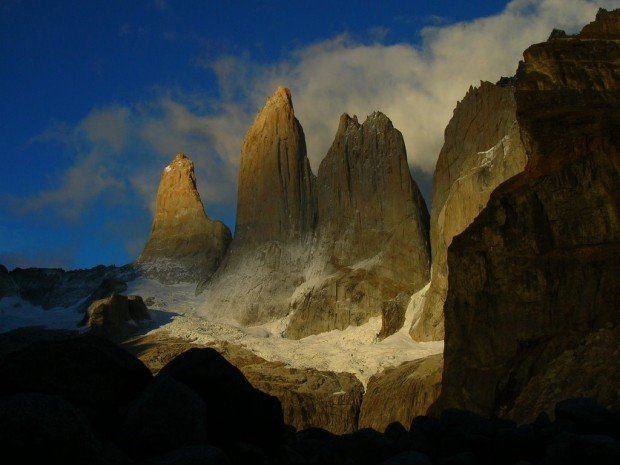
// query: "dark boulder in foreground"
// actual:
[[166, 416], [236, 411], [93, 403], [37, 428], [95, 375]]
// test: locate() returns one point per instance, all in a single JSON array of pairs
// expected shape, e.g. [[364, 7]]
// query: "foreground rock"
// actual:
[[116, 316], [235, 408], [401, 393], [164, 421], [93, 374], [482, 149], [533, 281], [184, 243], [38, 428], [167, 416], [372, 230], [309, 398]]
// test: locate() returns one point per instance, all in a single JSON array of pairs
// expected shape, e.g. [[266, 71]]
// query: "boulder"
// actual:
[[401, 393], [91, 373], [107, 287], [166, 416], [115, 316], [39, 428], [408, 458], [195, 455], [184, 244], [310, 398], [236, 411]]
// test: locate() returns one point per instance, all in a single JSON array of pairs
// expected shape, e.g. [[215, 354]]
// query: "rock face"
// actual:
[[275, 197], [393, 315], [276, 213], [115, 316], [184, 243], [372, 230], [54, 287], [482, 149], [401, 393], [538, 268], [331, 249], [310, 398]]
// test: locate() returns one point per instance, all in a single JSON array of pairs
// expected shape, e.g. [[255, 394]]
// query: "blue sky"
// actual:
[[97, 97]]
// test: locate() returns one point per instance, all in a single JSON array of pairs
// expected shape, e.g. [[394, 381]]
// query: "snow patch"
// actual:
[[176, 312]]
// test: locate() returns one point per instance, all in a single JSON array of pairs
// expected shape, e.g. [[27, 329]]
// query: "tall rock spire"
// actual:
[[275, 197], [372, 230], [184, 243]]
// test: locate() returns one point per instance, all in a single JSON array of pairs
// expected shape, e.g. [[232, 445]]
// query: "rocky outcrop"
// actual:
[[401, 393], [184, 245], [482, 148], [393, 315], [372, 230], [536, 274], [8, 288], [310, 398], [276, 213], [116, 316]]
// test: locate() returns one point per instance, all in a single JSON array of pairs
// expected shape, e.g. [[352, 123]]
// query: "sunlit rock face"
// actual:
[[276, 214], [372, 230], [532, 311], [482, 148], [184, 245], [328, 250], [275, 197]]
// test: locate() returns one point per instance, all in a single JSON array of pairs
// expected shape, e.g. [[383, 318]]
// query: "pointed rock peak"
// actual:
[[184, 244], [605, 26], [377, 118], [280, 98], [347, 122], [275, 200]]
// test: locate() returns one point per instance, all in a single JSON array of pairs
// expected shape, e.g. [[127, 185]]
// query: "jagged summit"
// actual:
[[184, 243], [372, 229]]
